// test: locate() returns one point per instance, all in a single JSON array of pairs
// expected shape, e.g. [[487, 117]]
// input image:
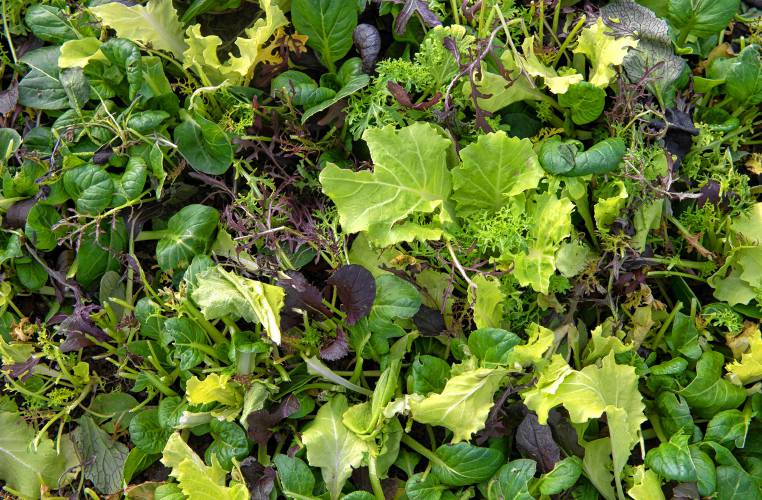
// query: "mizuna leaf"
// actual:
[[494, 167], [221, 294], [410, 176], [155, 24], [463, 405], [604, 51], [333, 447]]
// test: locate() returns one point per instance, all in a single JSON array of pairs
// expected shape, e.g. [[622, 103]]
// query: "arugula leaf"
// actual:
[[220, 294], [410, 176], [333, 447]]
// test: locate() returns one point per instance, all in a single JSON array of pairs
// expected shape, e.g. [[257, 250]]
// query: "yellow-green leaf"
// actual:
[[749, 368], [77, 53], [604, 51]]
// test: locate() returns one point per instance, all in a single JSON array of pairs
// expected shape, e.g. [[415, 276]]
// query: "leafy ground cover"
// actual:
[[417, 249]]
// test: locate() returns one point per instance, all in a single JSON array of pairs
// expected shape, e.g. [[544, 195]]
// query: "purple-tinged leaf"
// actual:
[[261, 422], [259, 479], [535, 441], [402, 97], [411, 7], [429, 322], [356, 289], [337, 349], [77, 327], [24, 369], [9, 97], [301, 295]]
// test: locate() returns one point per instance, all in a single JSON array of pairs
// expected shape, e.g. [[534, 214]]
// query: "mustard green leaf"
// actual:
[[410, 176], [604, 51], [220, 293], [332, 447], [155, 24], [463, 405], [22, 467], [494, 167]]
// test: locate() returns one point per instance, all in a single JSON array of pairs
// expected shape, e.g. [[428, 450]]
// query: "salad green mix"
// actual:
[[381, 249]]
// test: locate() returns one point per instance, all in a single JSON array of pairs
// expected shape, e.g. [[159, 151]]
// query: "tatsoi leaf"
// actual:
[[76, 86], [197, 480], [332, 447], [604, 52], [429, 374], [147, 433], [104, 457], [328, 24], [301, 88], [40, 227], [125, 55], [512, 480], [154, 23], [463, 464], [24, 469], [487, 302], [708, 393], [229, 443], [673, 460], [743, 80], [463, 405], [567, 158], [684, 336], [494, 167], [356, 289], [492, 346], [585, 101], [356, 83], [410, 176], [295, 477], [41, 87], [221, 294], [204, 144], [90, 186], [49, 23], [189, 340], [749, 368], [189, 233], [700, 17], [130, 185], [99, 251]]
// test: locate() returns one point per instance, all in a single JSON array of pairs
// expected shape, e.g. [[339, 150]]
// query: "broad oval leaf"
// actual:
[[204, 144], [189, 233], [463, 464], [328, 24], [91, 187]]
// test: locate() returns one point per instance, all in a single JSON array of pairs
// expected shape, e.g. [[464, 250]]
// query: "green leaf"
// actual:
[[301, 88], [125, 55], [230, 443], [563, 476], [48, 23], [91, 187], [463, 464], [104, 458], [424, 487], [100, 251], [395, 299], [493, 346], [357, 83], [189, 340], [218, 389], [708, 393], [197, 480], [410, 176], [729, 427], [204, 144], [22, 468], [606, 210], [189, 232], [131, 183], [77, 53], [734, 482], [674, 460], [494, 168], [40, 227], [154, 23], [332, 447], [220, 294], [740, 278], [540, 339], [743, 80], [700, 18], [512, 481], [429, 374], [567, 158], [147, 433], [646, 485], [585, 101], [328, 24], [463, 405], [487, 301], [41, 87], [10, 140], [604, 51], [76, 86], [749, 368], [295, 476]]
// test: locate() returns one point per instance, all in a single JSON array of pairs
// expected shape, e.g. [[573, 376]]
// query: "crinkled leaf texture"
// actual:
[[494, 168], [22, 468], [463, 405], [197, 480], [221, 294], [749, 368], [410, 176], [333, 447], [604, 51], [218, 389], [155, 23]]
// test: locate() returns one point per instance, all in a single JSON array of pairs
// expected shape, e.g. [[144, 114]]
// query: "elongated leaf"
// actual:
[[105, 458], [328, 24]]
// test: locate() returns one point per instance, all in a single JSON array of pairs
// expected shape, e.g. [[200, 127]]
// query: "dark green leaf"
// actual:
[[295, 476], [189, 233], [91, 187], [585, 101], [229, 443], [41, 87], [709, 393], [328, 24], [103, 456], [429, 374], [512, 481], [147, 433], [49, 23], [189, 341], [40, 228], [463, 464], [567, 158], [492, 346], [203, 144]]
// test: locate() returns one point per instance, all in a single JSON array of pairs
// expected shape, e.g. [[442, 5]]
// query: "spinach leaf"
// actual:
[[328, 24], [204, 144], [568, 158], [189, 233], [41, 88]]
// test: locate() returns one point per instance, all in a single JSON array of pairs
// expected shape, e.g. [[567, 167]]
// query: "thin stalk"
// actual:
[[569, 39], [375, 482], [8, 34], [667, 322]]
